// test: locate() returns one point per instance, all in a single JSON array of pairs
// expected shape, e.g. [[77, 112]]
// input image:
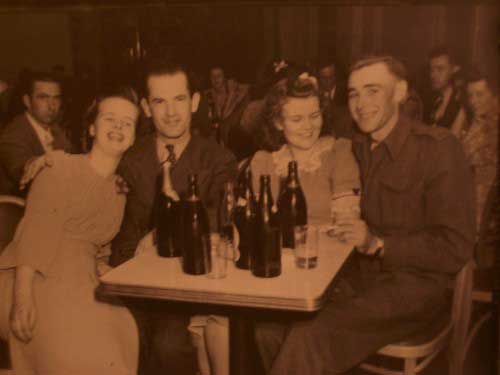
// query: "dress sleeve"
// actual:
[[38, 235], [345, 173]]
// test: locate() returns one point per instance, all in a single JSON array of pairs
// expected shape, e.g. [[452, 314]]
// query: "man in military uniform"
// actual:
[[415, 233]]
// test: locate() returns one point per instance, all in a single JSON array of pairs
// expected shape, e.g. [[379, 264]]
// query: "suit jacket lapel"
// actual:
[[146, 169], [60, 140], [31, 136], [183, 167]]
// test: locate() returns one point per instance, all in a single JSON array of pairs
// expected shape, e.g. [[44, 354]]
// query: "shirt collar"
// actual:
[[35, 124], [44, 135], [162, 151]]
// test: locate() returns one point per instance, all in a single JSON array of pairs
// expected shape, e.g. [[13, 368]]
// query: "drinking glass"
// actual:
[[219, 248], [344, 205], [306, 246]]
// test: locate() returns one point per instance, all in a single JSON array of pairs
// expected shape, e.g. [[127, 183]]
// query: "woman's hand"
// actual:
[[23, 315], [23, 311], [103, 268]]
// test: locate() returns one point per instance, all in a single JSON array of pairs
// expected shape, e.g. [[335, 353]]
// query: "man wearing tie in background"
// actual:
[[168, 100], [337, 120], [415, 233], [33, 133]]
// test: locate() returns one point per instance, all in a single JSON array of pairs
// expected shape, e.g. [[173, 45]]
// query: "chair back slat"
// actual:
[[460, 314], [11, 212]]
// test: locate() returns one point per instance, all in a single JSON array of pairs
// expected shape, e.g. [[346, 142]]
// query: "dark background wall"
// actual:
[[34, 40], [108, 40]]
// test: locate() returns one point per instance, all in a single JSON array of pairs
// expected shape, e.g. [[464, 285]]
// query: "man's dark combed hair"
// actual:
[[395, 66], [217, 65], [324, 62], [474, 74], [443, 50], [165, 64], [40, 76]]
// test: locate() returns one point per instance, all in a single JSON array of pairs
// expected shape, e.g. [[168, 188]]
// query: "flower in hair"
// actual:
[[278, 66]]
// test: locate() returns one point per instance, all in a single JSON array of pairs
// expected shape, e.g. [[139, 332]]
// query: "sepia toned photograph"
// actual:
[[250, 187]]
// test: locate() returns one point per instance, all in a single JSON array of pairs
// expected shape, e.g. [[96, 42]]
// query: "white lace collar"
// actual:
[[283, 156]]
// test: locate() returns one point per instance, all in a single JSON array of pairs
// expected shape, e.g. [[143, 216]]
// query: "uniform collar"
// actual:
[[397, 137], [394, 142]]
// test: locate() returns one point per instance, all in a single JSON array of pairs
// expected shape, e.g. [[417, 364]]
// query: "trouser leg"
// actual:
[[165, 343], [269, 337], [348, 330]]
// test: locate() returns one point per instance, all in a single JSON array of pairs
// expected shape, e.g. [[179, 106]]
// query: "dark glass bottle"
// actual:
[[196, 232], [266, 259], [245, 216], [214, 119], [292, 207], [168, 214]]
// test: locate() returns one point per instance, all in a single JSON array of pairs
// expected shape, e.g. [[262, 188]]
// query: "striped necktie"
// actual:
[[171, 158]]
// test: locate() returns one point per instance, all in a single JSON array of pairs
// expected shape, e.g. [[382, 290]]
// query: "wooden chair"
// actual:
[[11, 211], [486, 274], [419, 351]]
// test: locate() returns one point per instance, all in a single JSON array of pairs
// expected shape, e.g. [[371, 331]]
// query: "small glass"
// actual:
[[306, 246], [219, 248], [344, 205]]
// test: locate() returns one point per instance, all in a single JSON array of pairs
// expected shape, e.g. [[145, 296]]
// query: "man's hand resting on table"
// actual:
[[357, 233]]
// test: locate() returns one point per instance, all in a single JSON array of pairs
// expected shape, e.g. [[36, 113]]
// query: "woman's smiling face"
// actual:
[[301, 121], [114, 126]]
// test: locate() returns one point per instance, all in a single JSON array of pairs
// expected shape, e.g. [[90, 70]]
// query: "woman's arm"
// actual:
[[459, 123], [345, 172], [23, 311]]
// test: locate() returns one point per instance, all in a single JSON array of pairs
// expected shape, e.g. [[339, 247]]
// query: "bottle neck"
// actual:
[[293, 180], [193, 189], [293, 177], [266, 199]]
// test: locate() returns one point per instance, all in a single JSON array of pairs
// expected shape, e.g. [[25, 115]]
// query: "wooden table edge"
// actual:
[[309, 305]]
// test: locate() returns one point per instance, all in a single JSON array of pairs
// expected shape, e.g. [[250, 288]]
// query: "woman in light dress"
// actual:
[[48, 274], [291, 130]]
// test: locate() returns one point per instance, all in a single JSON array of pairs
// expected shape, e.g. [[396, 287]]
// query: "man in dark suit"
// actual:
[[337, 120], [168, 101], [415, 233], [33, 133], [443, 106]]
